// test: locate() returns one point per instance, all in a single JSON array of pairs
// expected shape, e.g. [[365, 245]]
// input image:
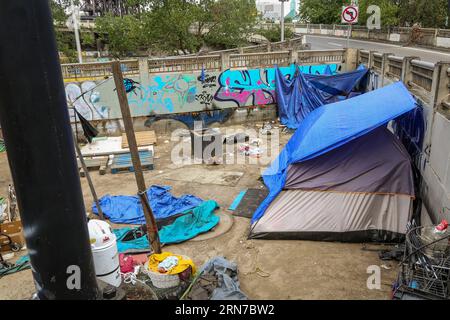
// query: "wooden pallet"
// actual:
[[123, 163], [99, 163], [143, 138]]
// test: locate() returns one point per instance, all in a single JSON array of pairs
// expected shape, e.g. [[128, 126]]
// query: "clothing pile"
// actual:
[[217, 280]]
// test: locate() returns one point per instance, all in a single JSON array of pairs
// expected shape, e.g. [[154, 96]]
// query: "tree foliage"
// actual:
[[389, 11], [323, 11], [274, 33], [429, 13], [180, 26], [121, 34]]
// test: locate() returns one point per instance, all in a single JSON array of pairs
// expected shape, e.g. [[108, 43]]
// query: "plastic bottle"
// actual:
[[434, 233]]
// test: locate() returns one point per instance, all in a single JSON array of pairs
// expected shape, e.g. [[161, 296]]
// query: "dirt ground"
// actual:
[[268, 269]]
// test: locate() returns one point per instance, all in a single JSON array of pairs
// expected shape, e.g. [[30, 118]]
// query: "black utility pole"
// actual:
[[35, 123]]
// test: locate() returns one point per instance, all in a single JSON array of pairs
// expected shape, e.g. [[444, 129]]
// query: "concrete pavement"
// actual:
[[324, 42]]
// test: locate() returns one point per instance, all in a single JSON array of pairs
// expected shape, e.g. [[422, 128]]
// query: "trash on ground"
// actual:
[[22, 263], [250, 150], [216, 280], [425, 267]]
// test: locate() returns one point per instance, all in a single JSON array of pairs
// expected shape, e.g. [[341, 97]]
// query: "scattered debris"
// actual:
[[251, 150], [235, 138], [217, 280], [425, 268]]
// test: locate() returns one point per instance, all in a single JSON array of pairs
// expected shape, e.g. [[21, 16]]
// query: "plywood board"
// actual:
[[143, 138]]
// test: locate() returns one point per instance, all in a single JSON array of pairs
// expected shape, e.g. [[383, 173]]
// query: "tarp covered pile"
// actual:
[[303, 93], [128, 209]]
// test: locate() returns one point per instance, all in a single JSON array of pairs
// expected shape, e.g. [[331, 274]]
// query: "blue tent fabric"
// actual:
[[298, 96], [339, 84], [188, 226], [128, 209], [295, 98], [183, 228], [333, 125], [135, 244]]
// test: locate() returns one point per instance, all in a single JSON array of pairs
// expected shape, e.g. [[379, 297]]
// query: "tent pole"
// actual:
[[88, 178]]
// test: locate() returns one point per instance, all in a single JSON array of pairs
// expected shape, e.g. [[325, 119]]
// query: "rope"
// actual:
[[131, 277]]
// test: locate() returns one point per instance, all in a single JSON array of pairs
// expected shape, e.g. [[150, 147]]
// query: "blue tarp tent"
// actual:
[[298, 96], [333, 125]]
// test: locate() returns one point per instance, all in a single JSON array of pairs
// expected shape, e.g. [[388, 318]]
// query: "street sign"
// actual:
[[349, 14]]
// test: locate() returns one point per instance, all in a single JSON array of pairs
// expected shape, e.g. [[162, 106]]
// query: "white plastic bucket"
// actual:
[[106, 262], [104, 252]]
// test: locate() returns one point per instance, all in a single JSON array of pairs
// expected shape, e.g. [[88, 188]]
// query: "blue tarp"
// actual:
[[183, 228], [333, 125], [298, 96], [128, 209]]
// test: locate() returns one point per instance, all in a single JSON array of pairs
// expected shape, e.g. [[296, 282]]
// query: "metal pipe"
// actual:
[[35, 122], [282, 19]]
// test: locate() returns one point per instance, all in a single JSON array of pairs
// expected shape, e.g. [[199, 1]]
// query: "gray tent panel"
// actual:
[[335, 216], [376, 162]]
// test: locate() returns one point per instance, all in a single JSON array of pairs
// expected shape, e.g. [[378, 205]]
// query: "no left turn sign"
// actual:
[[349, 14]]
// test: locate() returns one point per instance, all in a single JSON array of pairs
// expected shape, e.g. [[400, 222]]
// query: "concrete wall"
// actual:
[[434, 159], [173, 93]]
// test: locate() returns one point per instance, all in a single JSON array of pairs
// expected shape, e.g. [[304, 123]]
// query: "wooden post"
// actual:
[[152, 229], [88, 177]]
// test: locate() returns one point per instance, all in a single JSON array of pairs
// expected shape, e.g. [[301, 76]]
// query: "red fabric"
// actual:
[[126, 263]]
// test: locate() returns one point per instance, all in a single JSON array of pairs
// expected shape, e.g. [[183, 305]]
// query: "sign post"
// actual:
[[349, 15]]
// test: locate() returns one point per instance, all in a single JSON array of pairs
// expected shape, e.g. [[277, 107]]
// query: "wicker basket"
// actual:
[[162, 280]]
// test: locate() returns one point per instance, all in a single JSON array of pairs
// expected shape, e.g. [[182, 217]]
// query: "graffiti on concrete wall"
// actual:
[[86, 100], [172, 93], [257, 86], [164, 94]]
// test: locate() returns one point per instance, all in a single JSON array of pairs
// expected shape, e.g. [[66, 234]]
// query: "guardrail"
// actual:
[[364, 57], [184, 64], [394, 67], [430, 37], [79, 72], [377, 62], [422, 74], [254, 60], [321, 56]]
